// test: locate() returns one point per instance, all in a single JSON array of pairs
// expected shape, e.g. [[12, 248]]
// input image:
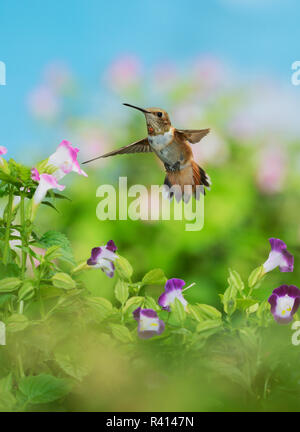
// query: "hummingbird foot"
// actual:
[[172, 168]]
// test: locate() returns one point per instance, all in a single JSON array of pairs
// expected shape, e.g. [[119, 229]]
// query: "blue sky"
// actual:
[[253, 36]]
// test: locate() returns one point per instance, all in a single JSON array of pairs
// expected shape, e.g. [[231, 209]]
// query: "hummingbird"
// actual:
[[173, 148]]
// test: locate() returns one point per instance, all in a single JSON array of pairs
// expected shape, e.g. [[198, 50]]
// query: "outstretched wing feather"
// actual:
[[141, 146], [193, 136]]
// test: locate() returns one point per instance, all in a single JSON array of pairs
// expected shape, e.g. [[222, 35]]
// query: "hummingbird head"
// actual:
[[157, 119]]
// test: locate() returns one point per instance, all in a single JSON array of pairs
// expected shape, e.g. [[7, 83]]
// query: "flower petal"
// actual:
[[111, 246], [174, 284], [46, 183], [35, 175], [279, 257], [3, 150]]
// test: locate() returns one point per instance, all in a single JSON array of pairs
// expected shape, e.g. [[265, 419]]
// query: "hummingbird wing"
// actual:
[[193, 136], [141, 146]]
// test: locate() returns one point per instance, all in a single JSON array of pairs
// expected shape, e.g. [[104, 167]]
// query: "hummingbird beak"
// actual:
[[138, 108]]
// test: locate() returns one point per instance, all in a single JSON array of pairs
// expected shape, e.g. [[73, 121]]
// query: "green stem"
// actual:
[[23, 235], [20, 365], [8, 224]]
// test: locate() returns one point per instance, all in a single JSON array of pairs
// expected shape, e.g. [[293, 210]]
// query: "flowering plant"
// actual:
[[54, 321]]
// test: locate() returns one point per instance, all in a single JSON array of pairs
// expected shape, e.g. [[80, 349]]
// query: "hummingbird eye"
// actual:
[[159, 114]]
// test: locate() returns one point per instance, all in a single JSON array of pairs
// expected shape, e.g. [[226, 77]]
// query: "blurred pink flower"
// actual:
[[95, 142], [3, 150], [209, 72], [165, 76], [212, 149], [271, 171], [187, 113], [43, 103], [124, 72], [58, 76], [260, 113]]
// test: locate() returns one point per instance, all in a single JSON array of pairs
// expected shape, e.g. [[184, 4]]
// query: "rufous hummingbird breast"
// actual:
[[173, 148]]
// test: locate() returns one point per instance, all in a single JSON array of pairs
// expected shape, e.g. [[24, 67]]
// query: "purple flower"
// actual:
[[284, 302], [103, 257], [149, 324], [279, 256], [173, 289]]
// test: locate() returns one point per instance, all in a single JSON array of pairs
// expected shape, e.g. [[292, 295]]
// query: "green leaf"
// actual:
[[43, 388], [9, 284], [133, 303], [5, 298], [49, 204], [26, 292], [121, 333], [154, 277], [63, 280], [56, 238], [209, 325], [243, 304], [256, 276], [8, 270], [101, 305], [121, 291], [263, 310], [178, 311], [6, 383], [150, 303], [7, 401], [49, 291], [229, 300], [70, 366], [123, 268], [52, 253], [235, 280], [202, 312], [16, 323]]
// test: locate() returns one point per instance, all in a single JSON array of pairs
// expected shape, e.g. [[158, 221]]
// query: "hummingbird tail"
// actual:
[[182, 183]]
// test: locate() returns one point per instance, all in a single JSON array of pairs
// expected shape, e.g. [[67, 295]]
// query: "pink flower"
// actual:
[[271, 170], [43, 103], [65, 160], [46, 183], [124, 72], [58, 76], [3, 150], [35, 175]]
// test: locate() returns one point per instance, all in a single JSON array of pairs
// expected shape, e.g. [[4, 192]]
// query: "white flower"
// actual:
[[46, 183], [65, 160]]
